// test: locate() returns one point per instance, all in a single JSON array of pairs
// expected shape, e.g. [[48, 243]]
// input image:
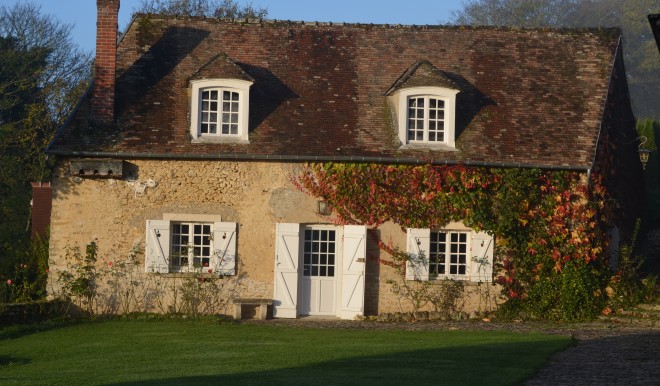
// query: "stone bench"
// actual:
[[262, 309]]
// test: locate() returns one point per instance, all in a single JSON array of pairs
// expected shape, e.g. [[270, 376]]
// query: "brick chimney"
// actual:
[[103, 102]]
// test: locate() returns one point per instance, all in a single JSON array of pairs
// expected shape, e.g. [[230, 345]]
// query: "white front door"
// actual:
[[320, 269]]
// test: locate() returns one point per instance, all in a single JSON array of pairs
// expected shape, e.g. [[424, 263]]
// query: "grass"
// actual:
[[184, 352]]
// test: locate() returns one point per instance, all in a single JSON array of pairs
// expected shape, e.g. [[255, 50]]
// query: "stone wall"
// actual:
[[255, 195]]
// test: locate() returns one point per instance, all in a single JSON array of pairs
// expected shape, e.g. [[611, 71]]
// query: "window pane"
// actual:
[[212, 128], [214, 94], [321, 259], [234, 96]]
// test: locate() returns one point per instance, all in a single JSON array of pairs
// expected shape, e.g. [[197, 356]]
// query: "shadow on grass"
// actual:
[[15, 331], [10, 360], [452, 366]]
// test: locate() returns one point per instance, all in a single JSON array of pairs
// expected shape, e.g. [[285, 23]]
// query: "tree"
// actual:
[[20, 71], [641, 59], [43, 73], [209, 8]]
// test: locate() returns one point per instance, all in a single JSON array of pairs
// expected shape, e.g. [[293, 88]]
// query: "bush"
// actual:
[[25, 272]]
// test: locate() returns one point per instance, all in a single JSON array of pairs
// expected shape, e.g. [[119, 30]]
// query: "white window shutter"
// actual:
[[419, 243], [481, 258], [224, 248], [354, 255], [287, 245], [157, 251]]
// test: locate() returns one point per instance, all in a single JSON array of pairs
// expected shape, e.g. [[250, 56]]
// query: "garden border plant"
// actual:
[[120, 287], [550, 225]]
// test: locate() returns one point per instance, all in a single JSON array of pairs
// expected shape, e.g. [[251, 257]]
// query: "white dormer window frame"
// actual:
[[427, 116], [220, 110]]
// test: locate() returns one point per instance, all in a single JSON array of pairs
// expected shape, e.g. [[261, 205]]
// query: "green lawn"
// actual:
[[180, 352]]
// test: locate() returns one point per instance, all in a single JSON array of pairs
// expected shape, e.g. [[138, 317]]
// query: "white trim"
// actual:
[[447, 95], [242, 87]]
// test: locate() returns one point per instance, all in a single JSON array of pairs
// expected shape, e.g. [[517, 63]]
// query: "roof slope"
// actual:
[[532, 97]]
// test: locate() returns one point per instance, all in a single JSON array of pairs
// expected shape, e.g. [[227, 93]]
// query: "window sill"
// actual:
[[219, 139], [188, 275], [428, 146]]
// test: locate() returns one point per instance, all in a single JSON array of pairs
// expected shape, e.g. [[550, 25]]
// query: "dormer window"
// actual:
[[426, 116], [424, 100], [426, 119], [220, 110]]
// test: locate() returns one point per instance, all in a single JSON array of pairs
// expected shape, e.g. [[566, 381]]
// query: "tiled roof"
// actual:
[[421, 74], [532, 97]]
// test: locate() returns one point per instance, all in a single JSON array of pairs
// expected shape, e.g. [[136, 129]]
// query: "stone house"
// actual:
[[186, 142]]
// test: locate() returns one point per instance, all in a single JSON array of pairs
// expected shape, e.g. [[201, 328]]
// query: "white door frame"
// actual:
[[350, 262]]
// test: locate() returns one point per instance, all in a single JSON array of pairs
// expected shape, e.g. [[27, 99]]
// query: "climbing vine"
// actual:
[[549, 225]]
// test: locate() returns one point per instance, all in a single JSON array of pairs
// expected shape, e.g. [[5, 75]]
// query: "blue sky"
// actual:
[[82, 13]]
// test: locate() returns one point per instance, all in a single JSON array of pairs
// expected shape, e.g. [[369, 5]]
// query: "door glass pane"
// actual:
[[319, 249]]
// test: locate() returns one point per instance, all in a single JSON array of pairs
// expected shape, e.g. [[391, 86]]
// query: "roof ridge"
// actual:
[[303, 23]]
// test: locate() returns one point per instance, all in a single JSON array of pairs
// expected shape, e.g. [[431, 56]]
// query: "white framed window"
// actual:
[[454, 253], [220, 110], [427, 116], [319, 252], [448, 254], [190, 248], [184, 245]]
